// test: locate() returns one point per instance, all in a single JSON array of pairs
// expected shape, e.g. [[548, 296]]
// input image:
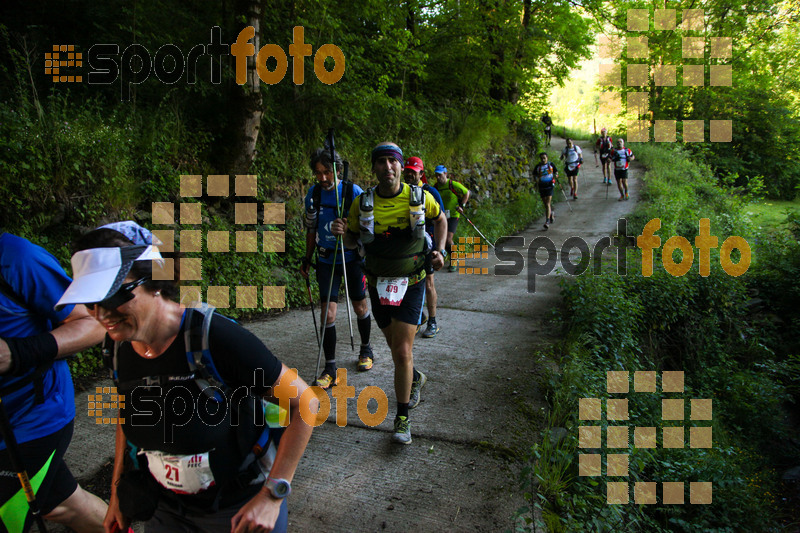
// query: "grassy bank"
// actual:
[[719, 330]]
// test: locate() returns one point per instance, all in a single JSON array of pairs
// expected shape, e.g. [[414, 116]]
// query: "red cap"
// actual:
[[415, 163]]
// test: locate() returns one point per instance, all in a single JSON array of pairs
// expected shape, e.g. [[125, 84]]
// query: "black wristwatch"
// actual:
[[279, 488]]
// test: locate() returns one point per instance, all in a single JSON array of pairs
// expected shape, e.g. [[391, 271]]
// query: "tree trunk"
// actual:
[[247, 105]]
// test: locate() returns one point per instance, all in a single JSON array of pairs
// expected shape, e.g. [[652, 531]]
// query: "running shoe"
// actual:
[[421, 322], [621, 198], [452, 267], [416, 386], [626, 196], [574, 196], [546, 225], [431, 331], [365, 357], [326, 381], [402, 430]]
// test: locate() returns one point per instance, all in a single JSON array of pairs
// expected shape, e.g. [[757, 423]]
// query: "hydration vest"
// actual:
[[621, 158], [546, 179], [398, 252], [310, 219], [238, 468], [606, 144], [574, 163]]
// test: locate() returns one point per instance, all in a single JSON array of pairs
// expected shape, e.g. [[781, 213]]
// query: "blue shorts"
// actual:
[[409, 310], [356, 281]]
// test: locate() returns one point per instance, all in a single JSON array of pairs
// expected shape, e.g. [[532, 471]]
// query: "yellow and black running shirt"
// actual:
[[394, 252]]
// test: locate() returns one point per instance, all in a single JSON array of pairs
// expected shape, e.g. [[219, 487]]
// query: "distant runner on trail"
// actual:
[[548, 125], [622, 157], [413, 173], [455, 197], [573, 158], [389, 221], [545, 175], [321, 210], [605, 144]]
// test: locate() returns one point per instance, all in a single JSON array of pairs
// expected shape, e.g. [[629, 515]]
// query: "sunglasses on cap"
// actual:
[[123, 295]]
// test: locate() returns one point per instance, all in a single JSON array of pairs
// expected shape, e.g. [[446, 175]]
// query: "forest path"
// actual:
[[481, 407]]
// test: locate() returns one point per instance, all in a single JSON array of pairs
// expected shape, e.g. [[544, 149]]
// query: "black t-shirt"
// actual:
[[155, 418]]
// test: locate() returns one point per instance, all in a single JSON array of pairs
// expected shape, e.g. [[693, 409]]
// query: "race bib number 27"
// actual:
[[184, 474]]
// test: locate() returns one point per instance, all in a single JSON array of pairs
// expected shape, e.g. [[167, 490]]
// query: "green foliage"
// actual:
[[707, 327], [761, 99]]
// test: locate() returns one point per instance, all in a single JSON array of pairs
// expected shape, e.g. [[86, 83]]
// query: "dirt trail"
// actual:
[[460, 472]]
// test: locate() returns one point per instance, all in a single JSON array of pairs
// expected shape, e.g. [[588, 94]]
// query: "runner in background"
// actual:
[[605, 145], [320, 210], [455, 197], [622, 157], [545, 174], [548, 126], [573, 158]]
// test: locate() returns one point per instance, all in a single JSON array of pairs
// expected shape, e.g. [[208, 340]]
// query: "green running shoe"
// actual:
[[402, 430]]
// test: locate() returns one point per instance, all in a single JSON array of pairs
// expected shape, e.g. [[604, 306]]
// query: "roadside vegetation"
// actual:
[[735, 338]]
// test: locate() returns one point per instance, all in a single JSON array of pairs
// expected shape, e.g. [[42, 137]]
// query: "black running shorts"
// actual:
[[409, 310], [52, 481]]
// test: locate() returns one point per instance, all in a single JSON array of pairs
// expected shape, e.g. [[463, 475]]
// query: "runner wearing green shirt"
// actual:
[[455, 197]]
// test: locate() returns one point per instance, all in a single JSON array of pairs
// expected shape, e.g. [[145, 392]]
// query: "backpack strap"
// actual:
[[416, 196], [198, 354], [348, 190]]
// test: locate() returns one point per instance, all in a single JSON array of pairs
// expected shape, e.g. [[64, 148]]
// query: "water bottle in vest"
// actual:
[[416, 213], [310, 218], [366, 219]]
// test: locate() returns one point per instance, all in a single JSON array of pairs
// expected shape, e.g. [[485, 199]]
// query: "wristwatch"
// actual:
[[444, 253], [279, 488]]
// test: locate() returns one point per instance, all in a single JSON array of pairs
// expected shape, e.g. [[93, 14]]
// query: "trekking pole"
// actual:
[[479, 231], [327, 308], [313, 314], [340, 239], [608, 186], [16, 463], [565, 196]]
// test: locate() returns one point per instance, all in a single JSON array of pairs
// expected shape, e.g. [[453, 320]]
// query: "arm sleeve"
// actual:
[[241, 358]]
